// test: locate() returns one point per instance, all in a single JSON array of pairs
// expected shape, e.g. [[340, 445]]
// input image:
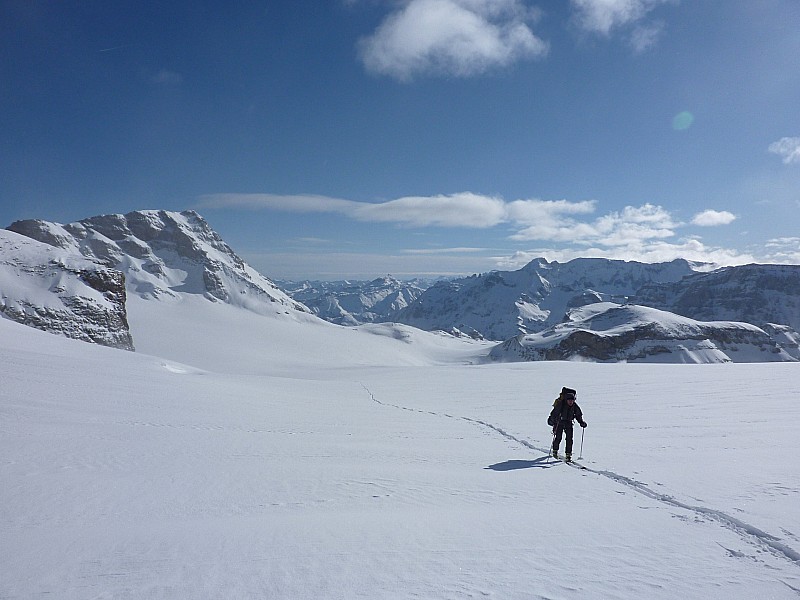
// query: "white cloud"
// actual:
[[651, 252], [645, 37], [784, 250], [623, 228], [565, 230], [788, 148], [456, 210], [547, 219], [602, 17], [535, 219], [451, 37], [532, 219], [712, 218]]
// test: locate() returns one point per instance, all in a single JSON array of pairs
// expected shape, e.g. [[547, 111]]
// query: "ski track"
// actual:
[[749, 533]]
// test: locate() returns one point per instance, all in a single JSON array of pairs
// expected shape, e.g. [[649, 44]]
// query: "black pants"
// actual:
[[563, 427]]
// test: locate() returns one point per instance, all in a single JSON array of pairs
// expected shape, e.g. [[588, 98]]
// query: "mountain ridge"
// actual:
[[678, 311], [163, 254]]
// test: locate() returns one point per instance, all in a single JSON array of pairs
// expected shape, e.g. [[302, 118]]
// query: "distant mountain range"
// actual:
[[502, 304], [350, 302], [74, 280]]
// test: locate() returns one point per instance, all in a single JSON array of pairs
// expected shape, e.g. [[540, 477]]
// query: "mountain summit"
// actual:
[[164, 254]]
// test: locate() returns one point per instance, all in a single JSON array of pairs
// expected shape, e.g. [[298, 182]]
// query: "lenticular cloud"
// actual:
[[451, 37]]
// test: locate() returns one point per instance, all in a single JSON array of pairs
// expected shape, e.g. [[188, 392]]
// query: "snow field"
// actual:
[[375, 473]]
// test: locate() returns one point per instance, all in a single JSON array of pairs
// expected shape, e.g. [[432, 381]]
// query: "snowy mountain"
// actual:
[[355, 302], [186, 290], [608, 332], [164, 255], [545, 311], [758, 294], [502, 304], [54, 290]]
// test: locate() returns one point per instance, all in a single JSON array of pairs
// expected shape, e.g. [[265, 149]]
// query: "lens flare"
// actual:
[[682, 121]]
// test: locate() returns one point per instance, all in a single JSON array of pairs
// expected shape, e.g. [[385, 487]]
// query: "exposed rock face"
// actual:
[[164, 254], [608, 332], [50, 289], [757, 294]]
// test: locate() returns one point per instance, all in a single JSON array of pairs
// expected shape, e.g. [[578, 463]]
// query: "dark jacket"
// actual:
[[564, 413]]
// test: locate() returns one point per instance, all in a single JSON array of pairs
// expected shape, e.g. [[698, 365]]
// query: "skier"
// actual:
[[565, 409]]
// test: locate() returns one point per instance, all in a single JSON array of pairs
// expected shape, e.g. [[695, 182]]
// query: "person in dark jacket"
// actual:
[[565, 409]]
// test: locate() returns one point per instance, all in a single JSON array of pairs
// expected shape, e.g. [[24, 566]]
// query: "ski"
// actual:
[[571, 463]]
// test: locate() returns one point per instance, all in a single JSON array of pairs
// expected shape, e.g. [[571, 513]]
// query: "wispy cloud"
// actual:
[[604, 17], [712, 218], [784, 250], [166, 77], [457, 210], [458, 38], [428, 251], [788, 148]]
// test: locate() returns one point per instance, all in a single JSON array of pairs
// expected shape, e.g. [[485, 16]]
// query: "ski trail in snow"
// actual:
[[748, 532], [743, 529]]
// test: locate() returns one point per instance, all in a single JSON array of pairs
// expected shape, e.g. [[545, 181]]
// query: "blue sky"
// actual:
[[354, 138]]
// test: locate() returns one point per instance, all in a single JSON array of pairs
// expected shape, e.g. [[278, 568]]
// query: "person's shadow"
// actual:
[[512, 465]]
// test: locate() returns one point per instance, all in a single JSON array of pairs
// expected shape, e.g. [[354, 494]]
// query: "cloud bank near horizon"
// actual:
[[648, 232]]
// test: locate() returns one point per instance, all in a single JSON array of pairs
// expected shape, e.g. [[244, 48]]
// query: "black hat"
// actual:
[[568, 392]]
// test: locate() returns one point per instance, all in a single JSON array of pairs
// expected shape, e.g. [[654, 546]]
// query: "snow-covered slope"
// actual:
[[609, 332], [355, 302], [165, 255], [126, 475], [59, 292], [215, 337], [503, 304]]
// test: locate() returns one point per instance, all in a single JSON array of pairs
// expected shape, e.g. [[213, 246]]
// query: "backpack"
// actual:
[[565, 391]]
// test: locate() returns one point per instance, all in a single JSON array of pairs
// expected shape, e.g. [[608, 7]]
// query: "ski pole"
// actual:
[[583, 431]]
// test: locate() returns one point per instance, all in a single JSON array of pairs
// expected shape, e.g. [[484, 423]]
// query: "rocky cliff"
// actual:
[[57, 291]]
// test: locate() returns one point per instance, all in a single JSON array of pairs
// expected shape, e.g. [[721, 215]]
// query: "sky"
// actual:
[[330, 139]]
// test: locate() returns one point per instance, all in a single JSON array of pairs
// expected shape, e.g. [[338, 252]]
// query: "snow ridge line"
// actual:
[[743, 529]]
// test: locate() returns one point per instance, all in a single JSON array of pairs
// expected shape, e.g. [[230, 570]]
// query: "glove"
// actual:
[[583, 423]]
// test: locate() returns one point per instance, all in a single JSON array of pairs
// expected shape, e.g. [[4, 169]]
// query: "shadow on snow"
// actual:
[[513, 465]]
